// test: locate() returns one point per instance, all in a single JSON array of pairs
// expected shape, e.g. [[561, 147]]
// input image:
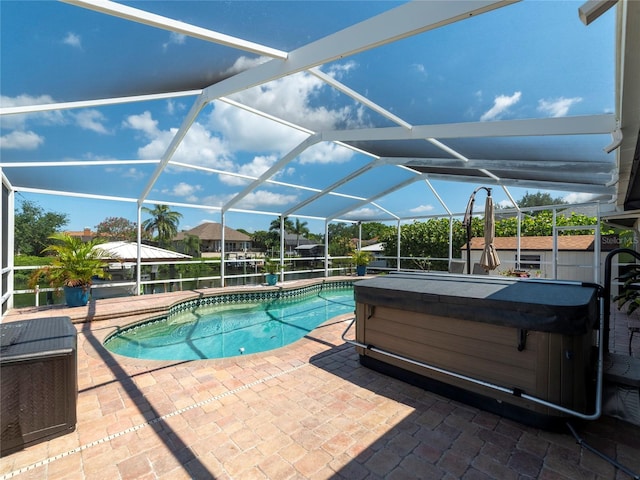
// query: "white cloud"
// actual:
[[420, 68], [326, 152], [133, 173], [291, 97], [184, 190], [22, 100], [199, 147], [245, 131], [174, 39], [579, 197], [255, 168], [230, 131], [422, 209], [91, 120], [244, 63], [144, 123], [73, 40], [501, 105], [174, 107], [340, 69], [263, 198], [505, 204], [558, 107], [20, 121], [19, 140], [363, 213], [217, 200]]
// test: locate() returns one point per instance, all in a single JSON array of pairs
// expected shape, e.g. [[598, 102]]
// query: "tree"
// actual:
[[34, 226], [164, 221], [117, 228], [538, 199], [541, 224], [429, 239], [264, 241], [300, 228], [315, 237], [192, 245], [372, 230], [340, 235], [345, 230]]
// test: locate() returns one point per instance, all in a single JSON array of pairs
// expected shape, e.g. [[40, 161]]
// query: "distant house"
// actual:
[[292, 242], [310, 250], [84, 235], [574, 261], [210, 235], [377, 251]]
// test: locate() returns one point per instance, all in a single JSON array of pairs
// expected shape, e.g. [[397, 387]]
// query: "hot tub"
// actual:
[[524, 349]]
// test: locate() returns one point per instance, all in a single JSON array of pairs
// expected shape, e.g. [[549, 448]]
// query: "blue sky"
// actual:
[[532, 59]]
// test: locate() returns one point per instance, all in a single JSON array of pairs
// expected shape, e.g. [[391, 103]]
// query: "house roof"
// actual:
[[310, 246], [293, 239], [374, 247], [543, 243], [213, 231]]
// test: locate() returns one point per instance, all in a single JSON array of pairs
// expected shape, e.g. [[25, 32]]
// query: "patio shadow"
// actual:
[[174, 444], [442, 438]]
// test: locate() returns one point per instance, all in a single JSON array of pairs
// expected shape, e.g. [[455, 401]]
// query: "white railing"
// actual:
[[249, 272]]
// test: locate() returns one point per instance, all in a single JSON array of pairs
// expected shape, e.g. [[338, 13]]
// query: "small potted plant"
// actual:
[[74, 265], [512, 272], [361, 259], [271, 269]]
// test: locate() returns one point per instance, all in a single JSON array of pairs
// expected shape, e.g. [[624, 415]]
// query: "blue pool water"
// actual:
[[222, 331]]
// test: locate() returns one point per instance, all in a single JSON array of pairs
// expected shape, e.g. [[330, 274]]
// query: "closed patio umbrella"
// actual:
[[489, 259]]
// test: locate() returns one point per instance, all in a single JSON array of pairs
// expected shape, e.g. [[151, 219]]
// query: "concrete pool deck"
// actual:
[[305, 411]]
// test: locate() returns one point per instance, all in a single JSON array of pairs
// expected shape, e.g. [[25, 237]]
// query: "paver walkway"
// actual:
[[306, 411]]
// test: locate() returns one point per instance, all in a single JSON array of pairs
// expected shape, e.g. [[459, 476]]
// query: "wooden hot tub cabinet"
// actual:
[[534, 338]]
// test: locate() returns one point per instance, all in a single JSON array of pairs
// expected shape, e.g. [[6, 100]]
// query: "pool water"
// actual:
[[223, 331]]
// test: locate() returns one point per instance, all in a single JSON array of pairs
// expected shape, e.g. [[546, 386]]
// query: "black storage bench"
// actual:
[[39, 383]]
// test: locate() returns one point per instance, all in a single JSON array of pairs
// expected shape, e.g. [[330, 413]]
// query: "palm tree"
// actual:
[[164, 221], [275, 225], [300, 228]]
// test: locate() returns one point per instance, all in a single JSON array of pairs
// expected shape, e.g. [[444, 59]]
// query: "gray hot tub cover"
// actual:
[[568, 308]]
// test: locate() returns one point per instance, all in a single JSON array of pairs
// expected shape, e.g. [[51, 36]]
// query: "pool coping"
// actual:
[[119, 313], [132, 306]]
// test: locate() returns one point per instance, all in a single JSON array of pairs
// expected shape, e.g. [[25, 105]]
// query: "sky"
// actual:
[[532, 59]]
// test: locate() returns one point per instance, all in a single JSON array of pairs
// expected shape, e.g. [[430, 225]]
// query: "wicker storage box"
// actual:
[[38, 374]]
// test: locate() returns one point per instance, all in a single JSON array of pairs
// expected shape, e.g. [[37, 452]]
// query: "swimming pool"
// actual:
[[232, 325]]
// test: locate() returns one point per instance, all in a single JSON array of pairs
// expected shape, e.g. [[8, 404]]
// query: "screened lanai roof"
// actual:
[[329, 110]]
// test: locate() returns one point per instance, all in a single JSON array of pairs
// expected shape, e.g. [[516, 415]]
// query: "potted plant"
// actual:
[[361, 259], [629, 292], [74, 265], [271, 269], [512, 272]]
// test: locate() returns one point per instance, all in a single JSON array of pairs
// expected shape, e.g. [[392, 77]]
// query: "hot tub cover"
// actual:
[[568, 308]]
